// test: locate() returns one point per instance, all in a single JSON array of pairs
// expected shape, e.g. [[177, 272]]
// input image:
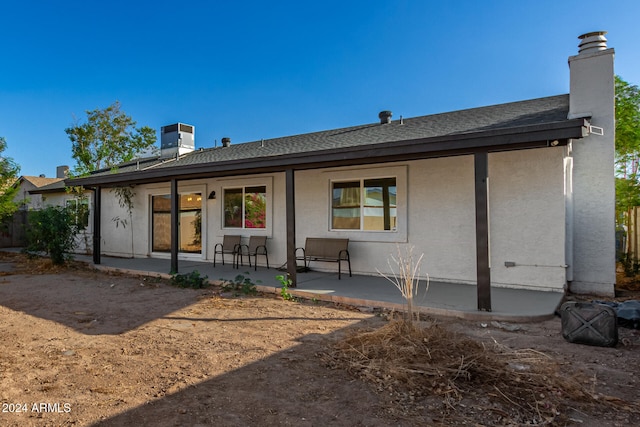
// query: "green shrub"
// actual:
[[190, 280], [52, 230], [240, 285]]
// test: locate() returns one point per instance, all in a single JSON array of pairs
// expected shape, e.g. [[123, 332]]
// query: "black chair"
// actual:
[[257, 246], [230, 246]]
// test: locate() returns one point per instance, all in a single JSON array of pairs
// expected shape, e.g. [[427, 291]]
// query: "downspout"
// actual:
[[568, 195]]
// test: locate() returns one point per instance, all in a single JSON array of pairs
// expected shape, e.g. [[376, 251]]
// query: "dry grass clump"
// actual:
[[450, 378], [26, 264], [624, 282]]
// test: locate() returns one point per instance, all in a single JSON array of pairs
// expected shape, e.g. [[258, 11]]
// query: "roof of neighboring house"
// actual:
[[57, 186], [516, 125], [39, 181]]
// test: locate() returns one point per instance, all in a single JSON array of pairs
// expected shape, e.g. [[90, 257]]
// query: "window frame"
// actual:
[[362, 206], [73, 203], [243, 188]]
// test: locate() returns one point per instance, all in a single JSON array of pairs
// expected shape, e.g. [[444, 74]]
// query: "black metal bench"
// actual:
[[326, 250]]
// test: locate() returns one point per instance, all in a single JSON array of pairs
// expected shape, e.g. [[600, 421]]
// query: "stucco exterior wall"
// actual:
[[119, 241], [527, 218], [442, 217], [436, 215], [369, 250]]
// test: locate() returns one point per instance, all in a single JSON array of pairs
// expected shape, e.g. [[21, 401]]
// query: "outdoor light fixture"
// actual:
[[212, 195]]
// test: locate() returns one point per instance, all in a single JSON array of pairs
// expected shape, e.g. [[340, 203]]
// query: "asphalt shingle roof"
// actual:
[[471, 121]]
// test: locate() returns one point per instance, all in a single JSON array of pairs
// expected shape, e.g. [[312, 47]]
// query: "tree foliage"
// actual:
[[109, 137], [52, 230], [627, 147], [8, 175]]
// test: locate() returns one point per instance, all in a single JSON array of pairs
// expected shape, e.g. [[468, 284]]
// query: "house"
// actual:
[[514, 195], [27, 183]]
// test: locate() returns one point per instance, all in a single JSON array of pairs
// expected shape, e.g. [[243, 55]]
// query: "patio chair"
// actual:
[[230, 245], [257, 246]]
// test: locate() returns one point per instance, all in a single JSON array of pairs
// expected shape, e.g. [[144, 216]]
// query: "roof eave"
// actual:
[[508, 139]]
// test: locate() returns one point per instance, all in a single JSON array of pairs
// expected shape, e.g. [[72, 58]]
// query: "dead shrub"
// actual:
[[33, 264], [450, 378]]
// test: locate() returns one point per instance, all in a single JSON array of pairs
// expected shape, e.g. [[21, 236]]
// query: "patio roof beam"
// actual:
[[175, 210], [97, 206], [291, 226], [483, 265]]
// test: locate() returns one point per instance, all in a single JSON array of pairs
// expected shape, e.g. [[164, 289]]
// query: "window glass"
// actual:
[[380, 204], [255, 207], [368, 204], [346, 206], [245, 207], [161, 223], [190, 223], [190, 231], [233, 207], [80, 209]]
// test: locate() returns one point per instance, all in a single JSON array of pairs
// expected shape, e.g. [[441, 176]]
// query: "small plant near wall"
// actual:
[[190, 280], [240, 285], [285, 281], [405, 275]]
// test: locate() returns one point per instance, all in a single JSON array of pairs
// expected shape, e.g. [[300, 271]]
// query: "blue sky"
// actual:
[[256, 69]]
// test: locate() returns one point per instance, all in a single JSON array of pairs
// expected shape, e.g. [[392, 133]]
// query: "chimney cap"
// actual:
[[592, 42], [226, 141], [385, 116]]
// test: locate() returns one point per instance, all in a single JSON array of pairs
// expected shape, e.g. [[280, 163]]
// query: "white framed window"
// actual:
[[80, 208], [367, 204], [245, 207]]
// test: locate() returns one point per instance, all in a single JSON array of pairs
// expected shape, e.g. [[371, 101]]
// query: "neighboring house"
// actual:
[[13, 232], [514, 195], [27, 184]]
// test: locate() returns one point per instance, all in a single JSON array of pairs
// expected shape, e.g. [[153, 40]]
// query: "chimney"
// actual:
[[591, 204], [385, 117], [592, 42], [62, 172], [226, 141]]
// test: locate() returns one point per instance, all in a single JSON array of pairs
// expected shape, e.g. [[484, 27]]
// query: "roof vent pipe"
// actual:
[[385, 117], [226, 141], [592, 42]]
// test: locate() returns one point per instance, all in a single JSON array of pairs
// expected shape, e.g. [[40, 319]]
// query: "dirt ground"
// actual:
[[82, 347]]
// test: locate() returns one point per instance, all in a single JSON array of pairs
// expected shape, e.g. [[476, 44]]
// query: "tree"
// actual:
[[627, 102], [8, 175], [108, 138]]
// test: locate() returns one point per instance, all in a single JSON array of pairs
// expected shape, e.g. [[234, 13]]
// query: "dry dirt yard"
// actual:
[[82, 347]]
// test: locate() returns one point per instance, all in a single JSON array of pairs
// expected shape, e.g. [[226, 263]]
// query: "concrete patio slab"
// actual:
[[440, 299]]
